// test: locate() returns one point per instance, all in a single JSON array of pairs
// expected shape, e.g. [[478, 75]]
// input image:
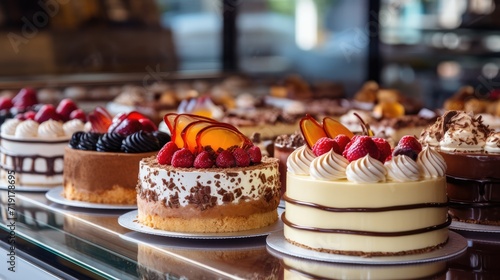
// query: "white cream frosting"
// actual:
[[366, 170], [27, 128], [299, 160], [492, 144], [329, 166], [431, 163], [464, 135], [73, 126], [402, 168], [9, 126], [50, 129]]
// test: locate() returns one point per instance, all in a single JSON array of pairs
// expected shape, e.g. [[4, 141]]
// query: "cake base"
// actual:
[[115, 195]]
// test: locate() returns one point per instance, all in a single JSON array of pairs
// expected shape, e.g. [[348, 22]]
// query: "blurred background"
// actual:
[[427, 49]]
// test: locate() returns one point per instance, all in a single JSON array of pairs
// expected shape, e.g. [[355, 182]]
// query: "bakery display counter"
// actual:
[[90, 243]]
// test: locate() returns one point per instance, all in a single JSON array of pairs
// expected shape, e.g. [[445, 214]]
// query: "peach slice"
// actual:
[[189, 133], [181, 121], [221, 136], [333, 128], [311, 130], [169, 120], [389, 110]]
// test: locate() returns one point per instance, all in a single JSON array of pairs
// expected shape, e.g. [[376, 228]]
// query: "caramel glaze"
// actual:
[[18, 163], [359, 232]]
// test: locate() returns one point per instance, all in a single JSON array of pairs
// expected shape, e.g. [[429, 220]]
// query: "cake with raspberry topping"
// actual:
[[359, 198], [33, 142], [101, 166], [209, 178], [472, 151]]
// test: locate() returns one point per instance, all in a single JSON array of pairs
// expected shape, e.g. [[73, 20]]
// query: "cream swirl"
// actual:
[[329, 166], [9, 126], [431, 163], [299, 160], [493, 143], [27, 128], [465, 134], [402, 168], [73, 126], [50, 129], [366, 170]]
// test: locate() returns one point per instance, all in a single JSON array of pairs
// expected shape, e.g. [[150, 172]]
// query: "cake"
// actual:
[[213, 179], [33, 144], [101, 166], [472, 153], [284, 145], [351, 195]]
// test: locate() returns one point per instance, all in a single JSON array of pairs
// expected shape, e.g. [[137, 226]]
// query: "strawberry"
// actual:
[[65, 107], [30, 115], [25, 98], [324, 145], [203, 160], [241, 156], [407, 151], [255, 154], [5, 103], [409, 141], [183, 158], [78, 114], [360, 147], [225, 159], [46, 113], [341, 141], [166, 153], [384, 148]]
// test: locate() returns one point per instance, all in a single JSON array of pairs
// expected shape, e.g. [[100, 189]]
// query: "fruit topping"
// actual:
[[5, 103], [181, 121], [163, 138], [88, 141], [360, 147], [242, 157], [341, 141], [25, 98], [65, 108], [384, 148], [406, 151], [100, 120], [203, 160], [333, 128], [255, 154], [183, 158], [127, 127], [311, 130], [221, 136], [166, 153], [169, 120], [46, 113], [225, 159], [148, 125], [409, 141], [75, 139], [388, 110], [29, 115], [78, 114], [140, 142], [109, 142], [324, 145]]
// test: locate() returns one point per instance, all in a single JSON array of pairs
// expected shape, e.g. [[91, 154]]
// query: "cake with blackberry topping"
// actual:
[[208, 178], [472, 152], [102, 166]]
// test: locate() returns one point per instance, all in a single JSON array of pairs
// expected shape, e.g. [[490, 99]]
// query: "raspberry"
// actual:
[[323, 146], [203, 160], [341, 141], [349, 144], [225, 159], [384, 148], [166, 153], [183, 158], [360, 147], [242, 158], [409, 141], [255, 154], [406, 151]]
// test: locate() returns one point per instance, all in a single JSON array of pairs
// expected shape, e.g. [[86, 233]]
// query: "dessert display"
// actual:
[[351, 195], [208, 178], [101, 166], [472, 152], [480, 261], [33, 142]]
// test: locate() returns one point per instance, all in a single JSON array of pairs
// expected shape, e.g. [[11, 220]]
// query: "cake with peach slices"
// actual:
[[101, 166], [33, 142], [351, 195], [209, 178]]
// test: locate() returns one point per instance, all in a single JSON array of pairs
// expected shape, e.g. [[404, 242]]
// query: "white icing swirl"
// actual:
[[9, 126], [299, 160], [73, 126], [402, 168], [493, 143], [366, 170], [465, 134], [329, 166], [27, 128], [431, 163], [50, 129]]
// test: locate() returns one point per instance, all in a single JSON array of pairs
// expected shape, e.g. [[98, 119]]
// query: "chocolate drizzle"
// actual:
[[18, 163]]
